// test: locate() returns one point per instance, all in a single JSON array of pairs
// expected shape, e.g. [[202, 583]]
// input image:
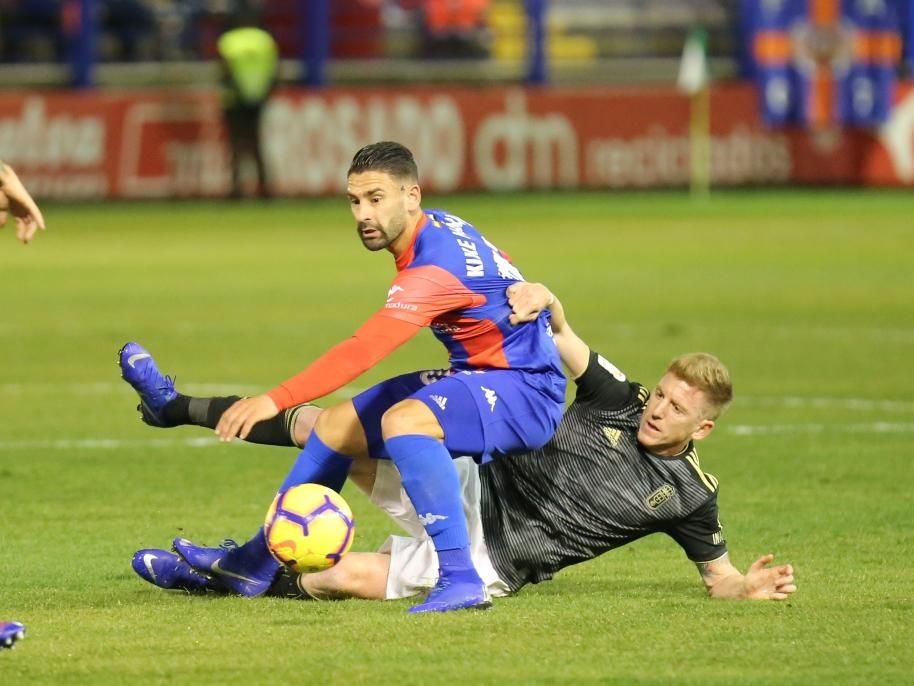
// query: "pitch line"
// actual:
[[739, 430], [861, 428], [212, 389], [825, 403], [201, 390]]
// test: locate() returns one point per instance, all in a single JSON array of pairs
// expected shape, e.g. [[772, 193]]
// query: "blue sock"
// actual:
[[431, 482], [318, 464], [252, 558], [455, 561]]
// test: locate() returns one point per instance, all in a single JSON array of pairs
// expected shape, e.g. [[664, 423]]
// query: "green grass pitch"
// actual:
[[808, 297]]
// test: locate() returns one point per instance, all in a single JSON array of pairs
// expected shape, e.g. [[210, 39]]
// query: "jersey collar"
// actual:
[[407, 255], [689, 452]]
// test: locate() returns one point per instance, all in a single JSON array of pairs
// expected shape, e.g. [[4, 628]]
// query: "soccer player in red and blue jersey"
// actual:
[[504, 392]]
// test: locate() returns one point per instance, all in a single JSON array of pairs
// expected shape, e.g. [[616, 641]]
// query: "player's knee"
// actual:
[[305, 418], [410, 417], [340, 429]]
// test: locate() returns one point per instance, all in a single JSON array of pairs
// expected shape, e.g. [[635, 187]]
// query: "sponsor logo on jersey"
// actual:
[[491, 397], [440, 401], [612, 435], [409, 307], [392, 304], [446, 329], [660, 496], [611, 368], [717, 538]]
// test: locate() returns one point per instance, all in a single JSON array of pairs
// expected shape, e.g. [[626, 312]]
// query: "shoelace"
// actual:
[[150, 371]]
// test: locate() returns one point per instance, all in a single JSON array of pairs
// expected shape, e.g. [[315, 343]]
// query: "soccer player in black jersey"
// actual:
[[622, 465]]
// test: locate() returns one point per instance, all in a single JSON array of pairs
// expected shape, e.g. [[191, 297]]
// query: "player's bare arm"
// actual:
[[527, 300], [16, 200], [760, 582]]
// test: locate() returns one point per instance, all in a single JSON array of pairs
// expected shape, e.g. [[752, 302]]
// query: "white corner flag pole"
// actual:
[[694, 81]]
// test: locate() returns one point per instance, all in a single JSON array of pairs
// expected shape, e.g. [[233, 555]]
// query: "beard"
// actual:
[[375, 237]]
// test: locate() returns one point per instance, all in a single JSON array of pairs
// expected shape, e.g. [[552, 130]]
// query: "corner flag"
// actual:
[[694, 80]]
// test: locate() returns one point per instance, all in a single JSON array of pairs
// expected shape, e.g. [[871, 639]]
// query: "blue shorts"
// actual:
[[483, 413]]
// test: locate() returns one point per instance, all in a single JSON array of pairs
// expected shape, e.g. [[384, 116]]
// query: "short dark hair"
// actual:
[[388, 157]]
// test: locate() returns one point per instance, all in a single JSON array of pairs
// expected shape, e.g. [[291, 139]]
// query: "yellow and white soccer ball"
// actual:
[[309, 527]]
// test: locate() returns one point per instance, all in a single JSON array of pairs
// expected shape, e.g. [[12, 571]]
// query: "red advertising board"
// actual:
[[171, 143]]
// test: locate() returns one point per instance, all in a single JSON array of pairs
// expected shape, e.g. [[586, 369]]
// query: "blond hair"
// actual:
[[709, 375]]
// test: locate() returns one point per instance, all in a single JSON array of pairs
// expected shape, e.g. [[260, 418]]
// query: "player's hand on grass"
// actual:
[[769, 583], [15, 200], [241, 417], [527, 300]]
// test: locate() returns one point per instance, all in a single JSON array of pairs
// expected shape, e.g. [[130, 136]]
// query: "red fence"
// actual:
[[169, 144]]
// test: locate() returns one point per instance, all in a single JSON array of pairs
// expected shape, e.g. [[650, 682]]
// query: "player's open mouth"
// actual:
[[652, 427]]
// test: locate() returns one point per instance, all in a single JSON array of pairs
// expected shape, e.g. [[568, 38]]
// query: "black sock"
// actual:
[[286, 586], [206, 412], [175, 412]]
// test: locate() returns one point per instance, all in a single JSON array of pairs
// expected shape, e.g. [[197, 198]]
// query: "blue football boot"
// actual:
[[248, 570], [455, 591], [10, 632], [155, 390], [164, 569]]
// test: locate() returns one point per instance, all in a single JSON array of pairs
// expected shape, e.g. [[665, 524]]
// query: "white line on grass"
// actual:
[[825, 403], [209, 442], [212, 389], [201, 390], [867, 427], [109, 443]]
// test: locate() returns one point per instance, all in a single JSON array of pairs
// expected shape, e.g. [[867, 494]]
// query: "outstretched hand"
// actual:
[[769, 583], [241, 417], [15, 200]]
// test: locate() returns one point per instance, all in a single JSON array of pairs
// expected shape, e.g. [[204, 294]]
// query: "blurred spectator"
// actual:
[[455, 28], [32, 30], [174, 21], [128, 29], [250, 59]]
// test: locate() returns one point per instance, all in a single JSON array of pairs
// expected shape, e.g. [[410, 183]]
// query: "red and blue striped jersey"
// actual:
[[454, 280]]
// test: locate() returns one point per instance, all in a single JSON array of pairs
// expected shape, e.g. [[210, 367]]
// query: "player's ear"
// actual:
[[413, 197], [704, 428]]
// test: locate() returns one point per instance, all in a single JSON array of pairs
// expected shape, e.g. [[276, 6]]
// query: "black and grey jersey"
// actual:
[[593, 488]]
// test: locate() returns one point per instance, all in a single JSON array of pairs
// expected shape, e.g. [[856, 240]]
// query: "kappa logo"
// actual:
[[393, 291], [430, 518], [491, 397], [612, 435], [660, 496], [440, 401]]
